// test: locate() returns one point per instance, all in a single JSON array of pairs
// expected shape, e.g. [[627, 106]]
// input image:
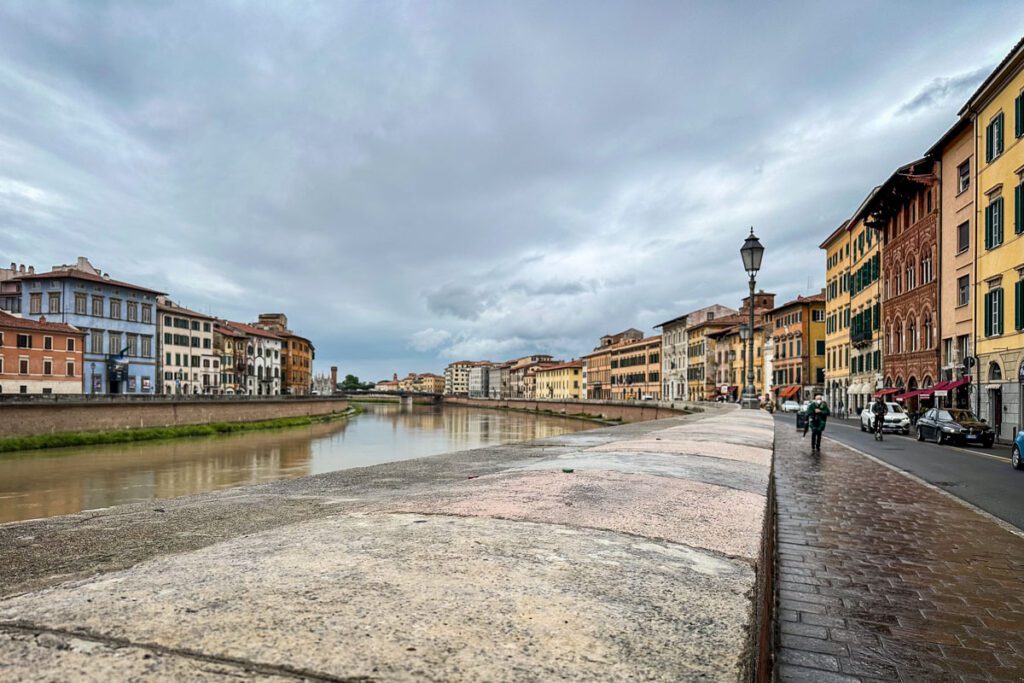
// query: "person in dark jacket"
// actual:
[[817, 416]]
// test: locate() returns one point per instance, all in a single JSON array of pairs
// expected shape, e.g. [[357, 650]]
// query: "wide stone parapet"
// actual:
[[625, 553]]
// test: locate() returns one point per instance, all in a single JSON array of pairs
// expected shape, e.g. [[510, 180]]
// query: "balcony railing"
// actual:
[[861, 337]]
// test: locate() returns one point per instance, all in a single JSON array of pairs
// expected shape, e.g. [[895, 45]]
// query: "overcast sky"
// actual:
[[414, 183]]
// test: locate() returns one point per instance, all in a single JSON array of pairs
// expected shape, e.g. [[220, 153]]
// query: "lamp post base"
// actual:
[[751, 403]]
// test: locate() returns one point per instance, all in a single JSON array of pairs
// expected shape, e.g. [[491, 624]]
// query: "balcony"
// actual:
[[861, 337]]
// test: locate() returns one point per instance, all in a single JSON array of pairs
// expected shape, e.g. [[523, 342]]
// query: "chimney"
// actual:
[[21, 268], [31, 270], [334, 378]]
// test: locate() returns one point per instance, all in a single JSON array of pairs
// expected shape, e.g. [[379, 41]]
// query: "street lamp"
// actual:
[[752, 252], [744, 337]]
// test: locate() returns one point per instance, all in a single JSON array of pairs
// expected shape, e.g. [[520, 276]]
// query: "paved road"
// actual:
[[982, 477], [881, 578]]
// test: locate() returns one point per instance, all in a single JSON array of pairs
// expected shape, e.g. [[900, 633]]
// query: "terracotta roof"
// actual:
[[14, 322], [175, 308], [82, 275], [225, 328], [814, 298], [251, 331], [562, 366]]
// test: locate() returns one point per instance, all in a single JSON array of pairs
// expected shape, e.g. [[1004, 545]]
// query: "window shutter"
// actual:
[[998, 220], [1018, 295], [988, 314], [1018, 208], [988, 143], [997, 301], [988, 226], [1018, 120], [999, 134]]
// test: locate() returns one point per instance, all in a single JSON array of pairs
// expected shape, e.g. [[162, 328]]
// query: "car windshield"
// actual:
[[895, 408], [957, 415]]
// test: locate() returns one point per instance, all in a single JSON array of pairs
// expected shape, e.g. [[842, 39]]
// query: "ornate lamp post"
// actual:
[[752, 252], [745, 336]]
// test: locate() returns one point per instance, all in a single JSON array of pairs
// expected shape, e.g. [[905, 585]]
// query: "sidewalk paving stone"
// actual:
[[881, 577]]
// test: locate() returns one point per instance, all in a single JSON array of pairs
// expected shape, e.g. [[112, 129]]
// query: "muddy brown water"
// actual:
[[35, 484]]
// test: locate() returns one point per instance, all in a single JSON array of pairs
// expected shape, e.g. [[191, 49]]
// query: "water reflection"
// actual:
[[69, 480]]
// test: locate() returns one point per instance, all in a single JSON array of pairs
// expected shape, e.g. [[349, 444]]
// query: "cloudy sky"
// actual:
[[418, 182]]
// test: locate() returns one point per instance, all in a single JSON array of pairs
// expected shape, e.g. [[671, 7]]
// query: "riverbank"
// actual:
[[68, 439], [630, 552]]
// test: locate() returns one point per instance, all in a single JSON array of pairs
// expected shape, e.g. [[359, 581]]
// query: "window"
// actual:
[[35, 303], [147, 314], [133, 311], [114, 344], [994, 138], [994, 223], [1018, 118], [70, 369], [48, 343], [1018, 305], [133, 342], [1018, 208], [47, 367], [963, 237], [24, 341], [926, 269], [963, 290], [80, 303], [147, 347], [97, 306], [97, 341], [195, 325], [994, 312], [820, 348], [115, 309], [53, 302], [23, 366]]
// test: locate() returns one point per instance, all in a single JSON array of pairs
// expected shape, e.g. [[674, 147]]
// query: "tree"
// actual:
[[351, 383]]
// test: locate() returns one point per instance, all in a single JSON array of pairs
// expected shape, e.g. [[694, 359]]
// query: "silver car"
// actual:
[[896, 420]]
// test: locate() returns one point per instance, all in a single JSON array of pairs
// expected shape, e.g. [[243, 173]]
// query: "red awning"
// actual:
[[952, 384], [922, 393], [886, 392], [789, 392]]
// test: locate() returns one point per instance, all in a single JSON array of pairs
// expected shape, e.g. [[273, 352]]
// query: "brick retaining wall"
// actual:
[[605, 409], [25, 419]]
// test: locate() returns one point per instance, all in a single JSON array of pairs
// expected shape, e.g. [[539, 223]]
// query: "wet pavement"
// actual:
[[881, 577]]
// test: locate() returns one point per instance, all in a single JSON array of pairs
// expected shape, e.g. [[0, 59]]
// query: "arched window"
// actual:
[[911, 278], [888, 339], [912, 336], [926, 336], [995, 373]]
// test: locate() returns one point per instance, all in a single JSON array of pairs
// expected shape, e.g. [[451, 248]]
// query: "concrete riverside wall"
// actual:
[[26, 419], [636, 552], [609, 410]]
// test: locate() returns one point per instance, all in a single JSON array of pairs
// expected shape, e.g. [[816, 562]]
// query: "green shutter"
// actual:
[[878, 316], [988, 142], [999, 134], [988, 226], [997, 301], [1018, 208], [998, 220], [988, 314], [1018, 307], [1018, 128]]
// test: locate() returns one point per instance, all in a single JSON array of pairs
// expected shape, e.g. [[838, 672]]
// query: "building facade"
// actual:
[[675, 349], [187, 361], [837, 317], [119, 320], [636, 369], [731, 357], [905, 213], [258, 367], [997, 111], [865, 370], [798, 339], [297, 354], [479, 376], [230, 344], [39, 357], [456, 378], [954, 154], [563, 381]]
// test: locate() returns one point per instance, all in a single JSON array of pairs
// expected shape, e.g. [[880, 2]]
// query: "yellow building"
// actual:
[[731, 354], [428, 382], [997, 110], [837, 316], [865, 312], [559, 382]]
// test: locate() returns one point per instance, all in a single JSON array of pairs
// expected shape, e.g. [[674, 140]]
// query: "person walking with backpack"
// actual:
[[817, 417]]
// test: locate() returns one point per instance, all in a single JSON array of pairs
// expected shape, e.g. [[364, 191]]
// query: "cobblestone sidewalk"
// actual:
[[883, 578]]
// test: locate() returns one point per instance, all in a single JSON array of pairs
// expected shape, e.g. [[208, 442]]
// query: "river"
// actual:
[[61, 481]]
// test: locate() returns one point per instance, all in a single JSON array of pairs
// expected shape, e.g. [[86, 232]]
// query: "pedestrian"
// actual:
[[817, 416], [842, 410]]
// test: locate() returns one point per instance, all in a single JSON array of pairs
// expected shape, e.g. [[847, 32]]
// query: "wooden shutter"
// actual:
[[988, 226], [1018, 305], [988, 142], [988, 314], [1018, 128], [1018, 208]]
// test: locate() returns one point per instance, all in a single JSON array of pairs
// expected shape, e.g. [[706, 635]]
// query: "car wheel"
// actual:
[[1015, 459], [920, 434], [862, 428], [940, 438]]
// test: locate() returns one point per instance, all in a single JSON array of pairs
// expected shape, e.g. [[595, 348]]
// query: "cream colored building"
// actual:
[[560, 382], [187, 362], [456, 378]]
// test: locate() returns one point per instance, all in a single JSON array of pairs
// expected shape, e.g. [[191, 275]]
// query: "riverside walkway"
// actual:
[[883, 578], [622, 553]]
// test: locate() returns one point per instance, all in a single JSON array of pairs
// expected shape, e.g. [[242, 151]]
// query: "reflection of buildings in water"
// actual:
[[78, 479]]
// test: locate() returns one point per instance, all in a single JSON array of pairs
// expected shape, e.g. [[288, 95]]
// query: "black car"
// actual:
[[956, 425]]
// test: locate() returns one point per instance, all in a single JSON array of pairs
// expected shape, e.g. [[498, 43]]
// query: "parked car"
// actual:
[[954, 424], [790, 406], [1016, 451], [895, 420]]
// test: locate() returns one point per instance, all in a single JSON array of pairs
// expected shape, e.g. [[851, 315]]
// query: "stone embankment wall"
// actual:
[[26, 419], [609, 410]]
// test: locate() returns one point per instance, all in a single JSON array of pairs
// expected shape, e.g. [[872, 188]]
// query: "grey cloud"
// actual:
[[941, 90]]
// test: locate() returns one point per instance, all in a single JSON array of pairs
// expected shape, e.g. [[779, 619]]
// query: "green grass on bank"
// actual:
[[66, 439]]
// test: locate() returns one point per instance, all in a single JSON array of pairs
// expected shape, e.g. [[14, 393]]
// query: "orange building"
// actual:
[[37, 357], [297, 355], [636, 369]]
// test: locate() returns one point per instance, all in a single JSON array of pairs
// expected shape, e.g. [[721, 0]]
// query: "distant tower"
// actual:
[[394, 377], [334, 378]]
